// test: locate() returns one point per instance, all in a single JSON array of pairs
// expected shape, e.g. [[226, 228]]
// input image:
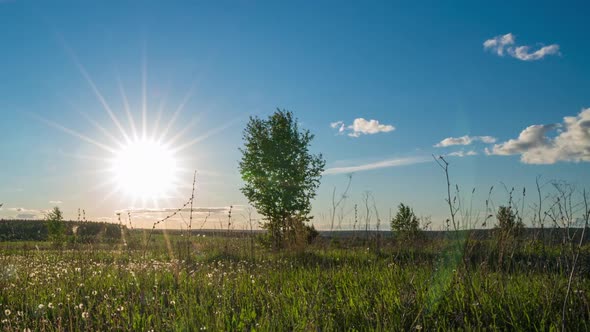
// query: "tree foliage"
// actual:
[[281, 176], [56, 227], [405, 223]]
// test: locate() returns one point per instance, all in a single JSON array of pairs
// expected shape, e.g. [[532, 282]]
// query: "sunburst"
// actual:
[[141, 164]]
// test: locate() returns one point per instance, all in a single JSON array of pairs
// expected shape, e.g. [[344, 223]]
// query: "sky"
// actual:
[[500, 90]]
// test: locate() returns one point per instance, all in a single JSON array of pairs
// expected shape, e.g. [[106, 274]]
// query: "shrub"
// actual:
[[405, 223]]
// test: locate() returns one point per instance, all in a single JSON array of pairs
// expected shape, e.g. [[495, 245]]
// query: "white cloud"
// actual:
[[571, 142], [376, 165], [464, 140], [55, 202], [462, 153], [522, 52], [532, 137], [499, 43], [506, 44], [361, 126]]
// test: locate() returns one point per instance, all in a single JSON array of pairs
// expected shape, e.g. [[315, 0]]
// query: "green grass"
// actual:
[[228, 284]]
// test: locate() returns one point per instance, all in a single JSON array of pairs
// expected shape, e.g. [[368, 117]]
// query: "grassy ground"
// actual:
[[218, 283]]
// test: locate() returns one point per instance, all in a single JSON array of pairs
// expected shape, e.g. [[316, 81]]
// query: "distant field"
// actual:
[[174, 282]]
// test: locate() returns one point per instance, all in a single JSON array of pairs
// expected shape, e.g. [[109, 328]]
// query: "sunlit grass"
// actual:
[[225, 284]]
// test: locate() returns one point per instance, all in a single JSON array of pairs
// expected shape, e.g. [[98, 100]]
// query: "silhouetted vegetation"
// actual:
[[72, 231]]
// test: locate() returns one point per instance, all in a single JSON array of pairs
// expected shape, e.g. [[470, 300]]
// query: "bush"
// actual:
[[406, 224], [509, 224]]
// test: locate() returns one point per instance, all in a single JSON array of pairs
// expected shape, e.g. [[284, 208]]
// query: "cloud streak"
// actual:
[[506, 44], [170, 210], [377, 165], [465, 140], [462, 153], [361, 126], [23, 213]]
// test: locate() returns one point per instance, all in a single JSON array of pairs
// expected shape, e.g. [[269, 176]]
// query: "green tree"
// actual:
[[405, 223], [281, 176], [56, 227]]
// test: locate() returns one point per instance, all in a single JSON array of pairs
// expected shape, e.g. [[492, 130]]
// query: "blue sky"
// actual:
[[421, 70]]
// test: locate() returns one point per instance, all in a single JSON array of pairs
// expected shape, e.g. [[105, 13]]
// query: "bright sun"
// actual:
[[144, 169], [141, 160]]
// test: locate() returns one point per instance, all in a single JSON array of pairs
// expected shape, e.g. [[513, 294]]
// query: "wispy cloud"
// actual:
[[462, 153], [23, 213], [523, 53], [361, 126], [223, 209], [506, 44], [26, 216], [571, 142], [340, 125], [55, 202], [377, 165], [464, 140]]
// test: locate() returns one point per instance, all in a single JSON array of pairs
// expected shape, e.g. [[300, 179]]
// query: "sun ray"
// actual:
[[101, 129], [127, 108], [158, 118], [144, 92], [183, 131], [161, 107], [75, 134], [94, 88], [206, 135], [107, 133], [178, 110], [100, 187], [106, 197], [83, 157]]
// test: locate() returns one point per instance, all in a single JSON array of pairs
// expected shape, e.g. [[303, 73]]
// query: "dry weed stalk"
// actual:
[[174, 213], [586, 218]]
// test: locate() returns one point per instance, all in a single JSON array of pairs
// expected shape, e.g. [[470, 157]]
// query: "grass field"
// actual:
[[230, 283]]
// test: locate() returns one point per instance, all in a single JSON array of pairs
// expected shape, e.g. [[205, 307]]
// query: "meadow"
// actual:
[[175, 282]]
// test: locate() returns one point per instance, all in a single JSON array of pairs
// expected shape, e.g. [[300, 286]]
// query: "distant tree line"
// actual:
[[72, 231]]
